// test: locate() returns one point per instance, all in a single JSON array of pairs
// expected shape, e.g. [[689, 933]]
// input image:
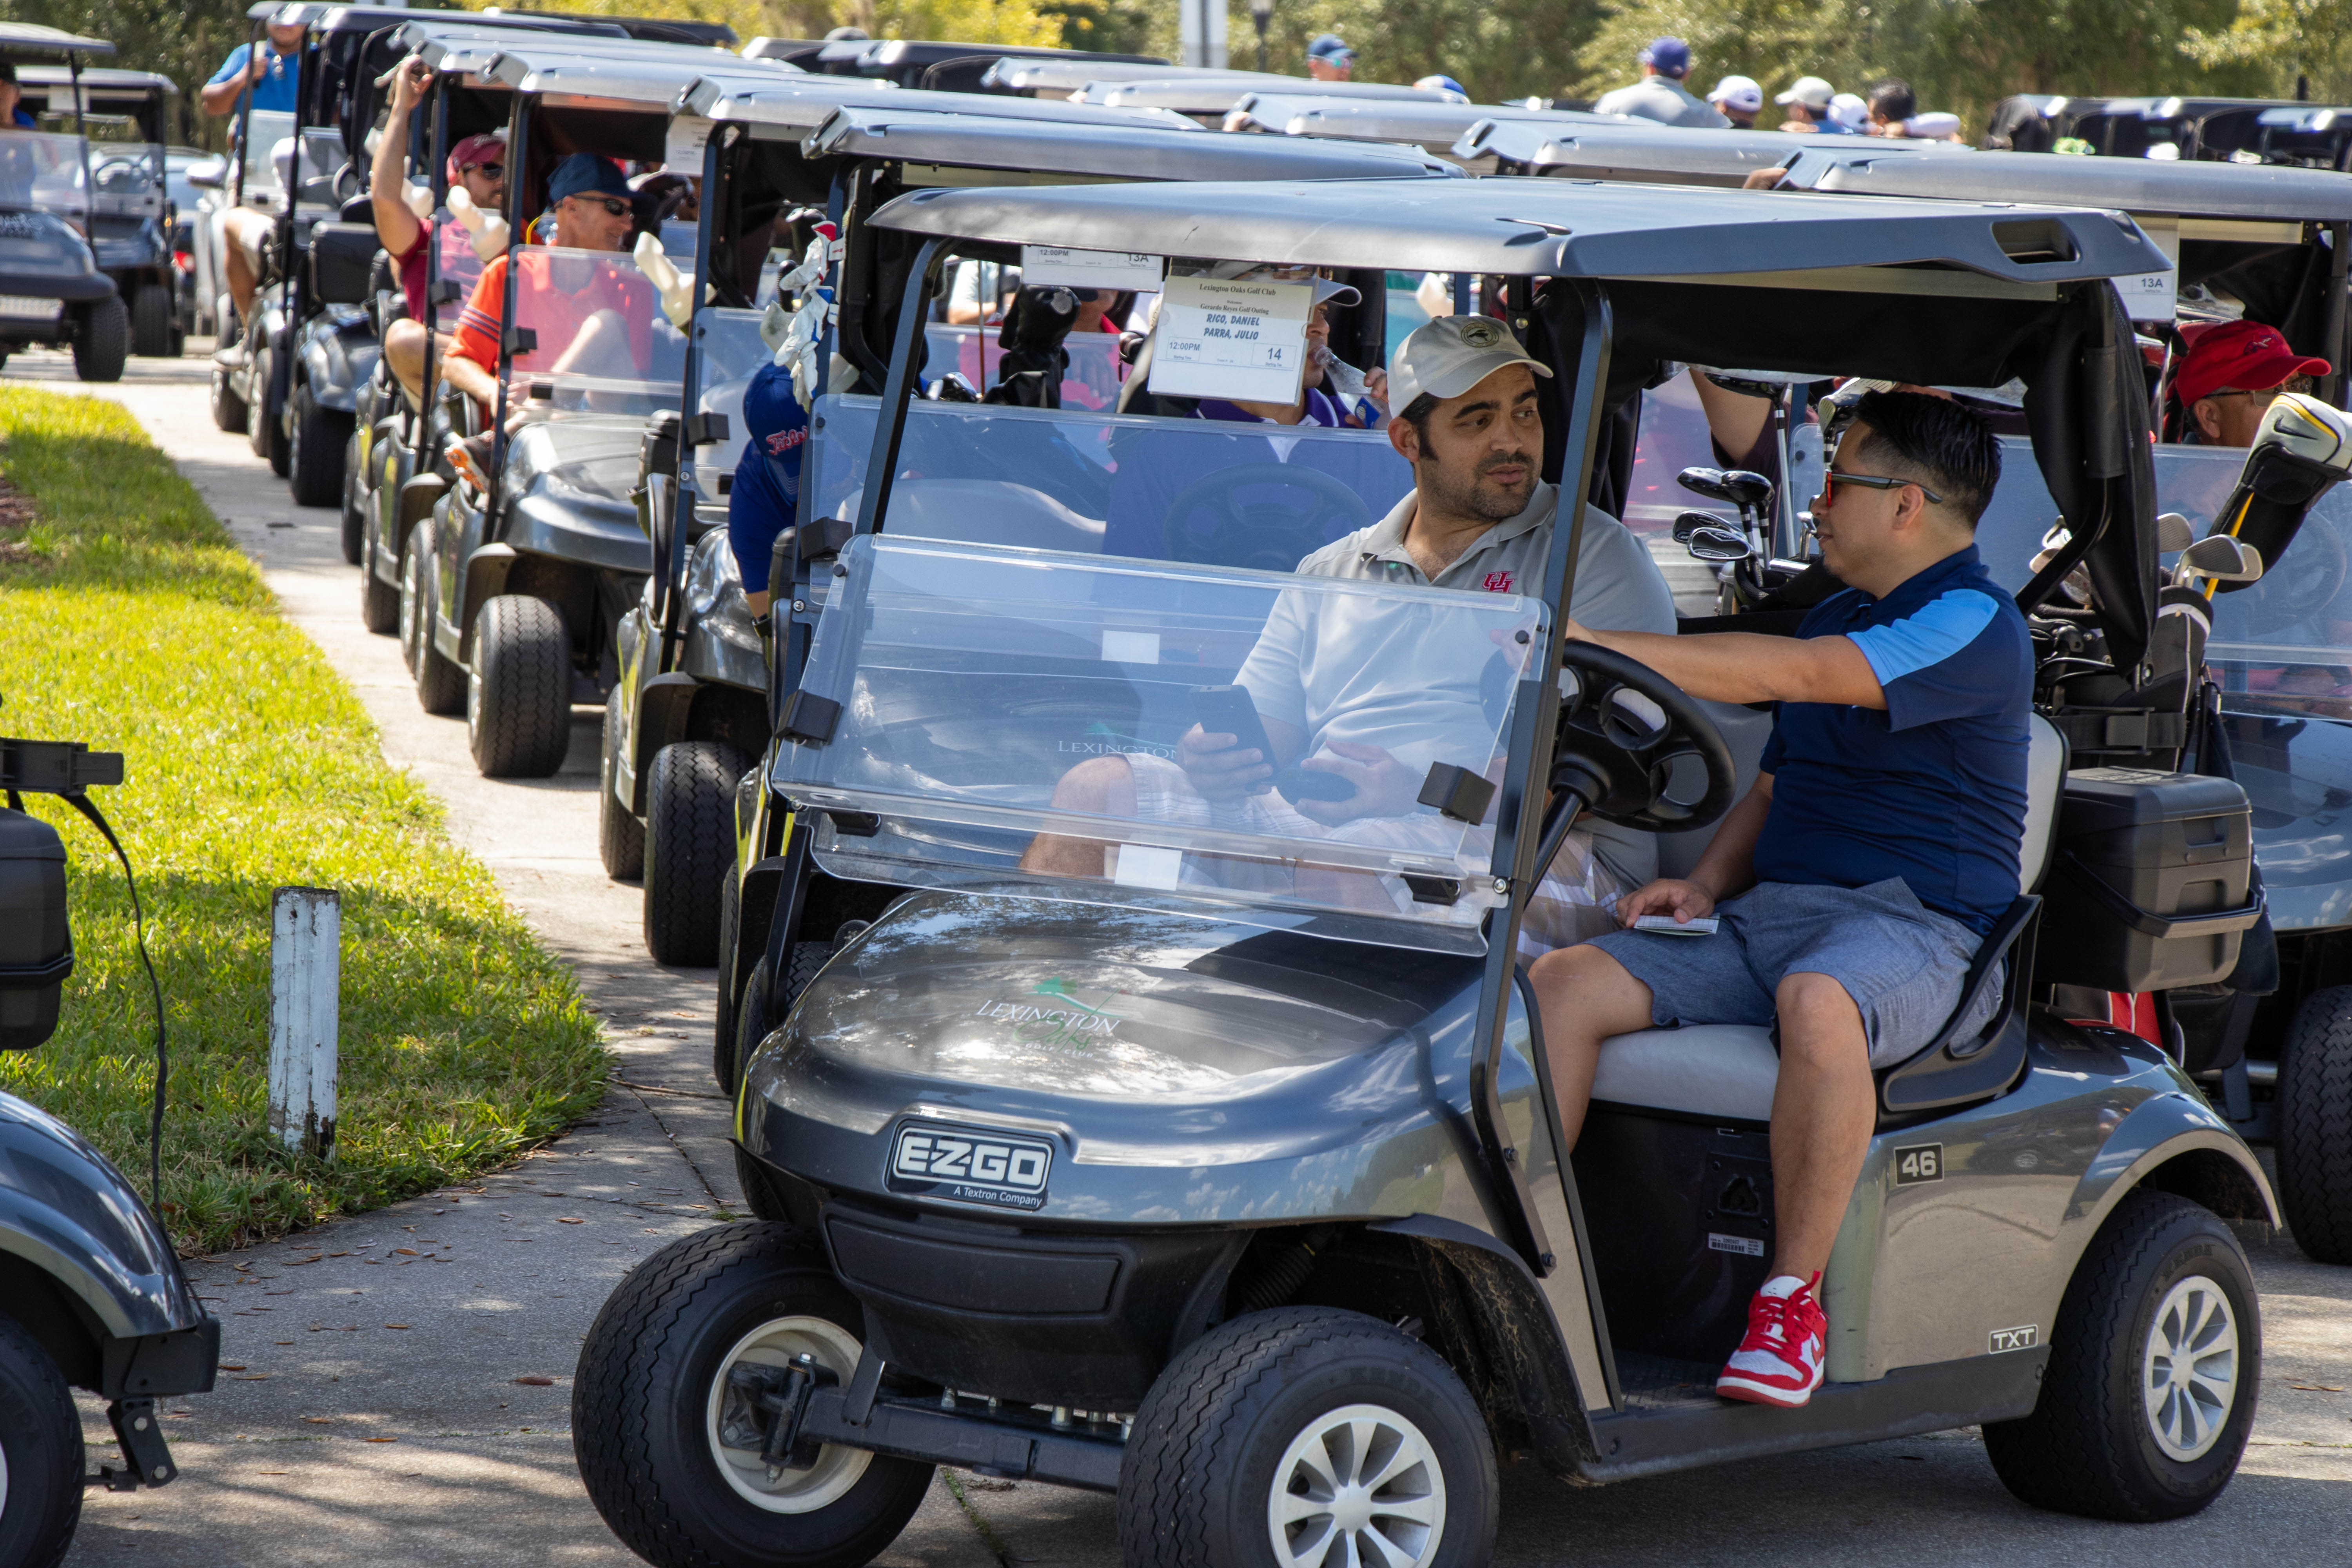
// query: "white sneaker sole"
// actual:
[[1733, 1386]]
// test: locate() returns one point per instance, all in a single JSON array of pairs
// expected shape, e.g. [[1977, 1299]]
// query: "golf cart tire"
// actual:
[[640, 1419], [760, 1193], [315, 454], [102, 347], [1201, 1466], [730, 964], [440, 679], [152, 329], [41, 1437], [229, 412], [762, 1008], [620, 838], [354, 512], [2090, 1448], [518, 706], [2314, 1126], [689, 844]]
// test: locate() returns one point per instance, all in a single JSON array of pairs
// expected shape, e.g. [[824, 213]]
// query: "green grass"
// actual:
[[129, 620]]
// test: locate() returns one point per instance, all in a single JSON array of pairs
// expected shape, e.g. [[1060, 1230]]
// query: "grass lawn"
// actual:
[[129, 620]]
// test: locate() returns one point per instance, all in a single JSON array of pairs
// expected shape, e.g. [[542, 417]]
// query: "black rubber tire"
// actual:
[[2087, 1448], [381, 607], [441, 681], [620, 838], [730, 964], [265, 427], [519, 704], [2314, 1126], [762, 1007], [315, 452], [1200, 1466], [639, 1403], [229, 412], [151, 334], [353, 495], [760, 1193], [102, 347], [411, 624], [40, 1434], [689, 846]]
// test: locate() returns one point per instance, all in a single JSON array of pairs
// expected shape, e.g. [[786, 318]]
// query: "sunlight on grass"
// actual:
[[129, 620]]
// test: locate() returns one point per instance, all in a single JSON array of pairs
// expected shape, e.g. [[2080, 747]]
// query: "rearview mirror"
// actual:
[[2218, 558], [1719, 545]]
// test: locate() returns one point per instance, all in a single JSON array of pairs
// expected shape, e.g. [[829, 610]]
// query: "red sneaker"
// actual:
[[1780, 1362]]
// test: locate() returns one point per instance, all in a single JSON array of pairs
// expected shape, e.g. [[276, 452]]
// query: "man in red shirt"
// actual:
[[588, 320], [478, 164]]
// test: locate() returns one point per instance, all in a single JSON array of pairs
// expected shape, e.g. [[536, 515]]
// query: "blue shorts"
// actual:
[[1903, 964]]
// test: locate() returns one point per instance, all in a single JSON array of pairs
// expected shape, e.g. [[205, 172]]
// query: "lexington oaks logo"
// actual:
[[1072, 1025]]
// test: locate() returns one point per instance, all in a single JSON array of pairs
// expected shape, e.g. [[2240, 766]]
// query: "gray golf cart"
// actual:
[[932, 65], [690, 710], [1229, 1180], [92, 1295], [52, 289], [126, 115]]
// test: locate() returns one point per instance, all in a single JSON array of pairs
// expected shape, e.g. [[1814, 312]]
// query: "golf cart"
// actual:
[[690, 710], [933, 65], [52, 289], [124, 114], [92, 1295], [1208, 96], [1229, 1179], [516, 585], [1435, 128]]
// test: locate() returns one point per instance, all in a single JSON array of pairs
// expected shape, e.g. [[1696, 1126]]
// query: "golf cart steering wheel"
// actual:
[[1623, 727], [1268, 535]]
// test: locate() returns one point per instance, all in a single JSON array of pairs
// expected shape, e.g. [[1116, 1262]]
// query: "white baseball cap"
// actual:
[[1448, 356], [1848, 110], [1810, 90], [1742, 92]]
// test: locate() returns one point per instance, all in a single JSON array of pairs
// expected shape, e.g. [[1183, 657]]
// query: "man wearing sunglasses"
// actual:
[[599, 323], [478, 164], [1879, 845], [2230, 376]]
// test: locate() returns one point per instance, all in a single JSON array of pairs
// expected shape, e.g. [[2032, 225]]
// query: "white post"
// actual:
[[1201, 28], [305, 926]]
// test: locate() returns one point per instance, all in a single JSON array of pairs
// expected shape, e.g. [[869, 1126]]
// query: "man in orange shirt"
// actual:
[[584, 325]]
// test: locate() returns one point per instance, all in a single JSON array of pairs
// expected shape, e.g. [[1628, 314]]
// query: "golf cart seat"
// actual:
[[1728, 1071]]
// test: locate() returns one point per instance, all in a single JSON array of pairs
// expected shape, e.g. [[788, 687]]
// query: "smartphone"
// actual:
[[1229, 711]]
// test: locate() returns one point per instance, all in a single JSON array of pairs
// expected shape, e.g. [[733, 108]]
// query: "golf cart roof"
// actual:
[[468, 46], [1384, 119], [633, 71], [1639, 149], [1567, 229], [29, 41], [906, 61], [1135, 153], [1031, 73], [2260, 192], [1206, 93], [101, 81], [790, 107]]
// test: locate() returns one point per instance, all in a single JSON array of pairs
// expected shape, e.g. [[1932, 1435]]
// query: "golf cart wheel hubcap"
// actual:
[[1359, 1485], [2188, 1375], [775, 1343]]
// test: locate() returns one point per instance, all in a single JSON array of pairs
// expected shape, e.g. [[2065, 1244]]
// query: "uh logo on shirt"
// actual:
[[1498, 583]]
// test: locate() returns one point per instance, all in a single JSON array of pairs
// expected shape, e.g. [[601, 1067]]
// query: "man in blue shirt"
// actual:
[[270, 77], [765, 497], [1879, 845]]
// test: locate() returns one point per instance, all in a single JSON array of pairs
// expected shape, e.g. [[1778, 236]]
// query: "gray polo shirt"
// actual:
[[1619, 588], [1663, 99]]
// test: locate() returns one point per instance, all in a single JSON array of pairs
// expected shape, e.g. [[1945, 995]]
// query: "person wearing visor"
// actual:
[[1879, 845], [1322, 400], [269, 78], [1659, 95], [588, 322], [1339, 698], [477, 165], [1329, 59], [2228, 378]]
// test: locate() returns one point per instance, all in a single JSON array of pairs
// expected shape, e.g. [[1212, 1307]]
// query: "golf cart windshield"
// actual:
[[126, 177], [1259, 496], [592, 337], [42, 173], [982, 692], [264, 129], [1091, 381]]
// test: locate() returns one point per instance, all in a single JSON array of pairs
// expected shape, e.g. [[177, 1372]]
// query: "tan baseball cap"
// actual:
[[1448, 356]]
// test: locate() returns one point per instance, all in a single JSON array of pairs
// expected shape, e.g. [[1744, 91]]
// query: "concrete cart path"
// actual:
[[288, 1461]]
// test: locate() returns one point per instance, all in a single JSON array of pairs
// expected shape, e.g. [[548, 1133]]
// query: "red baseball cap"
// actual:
[[490, 147], [2247, 355]]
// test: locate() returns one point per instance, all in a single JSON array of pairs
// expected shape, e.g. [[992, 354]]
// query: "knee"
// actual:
[[1094, 784], [1815, 1013]]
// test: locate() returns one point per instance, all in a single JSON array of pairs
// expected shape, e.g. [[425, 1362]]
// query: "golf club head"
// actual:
[[1717, 546], [1685, 522], [1743, 489]]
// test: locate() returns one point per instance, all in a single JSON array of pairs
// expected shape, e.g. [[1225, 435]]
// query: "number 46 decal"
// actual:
[[1919, 1163]]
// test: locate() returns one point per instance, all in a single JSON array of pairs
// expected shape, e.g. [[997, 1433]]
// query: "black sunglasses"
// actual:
[[495, 171], [1833, 478], [612, 204]]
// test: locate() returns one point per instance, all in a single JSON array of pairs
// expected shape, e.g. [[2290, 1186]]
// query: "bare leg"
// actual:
[[1585, 996], [1823, 1111], [247, 232], [404, 352], [1100, 786]]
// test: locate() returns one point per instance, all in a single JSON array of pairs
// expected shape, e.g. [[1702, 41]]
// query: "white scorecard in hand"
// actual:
[[1703, 926], [1241, 338]]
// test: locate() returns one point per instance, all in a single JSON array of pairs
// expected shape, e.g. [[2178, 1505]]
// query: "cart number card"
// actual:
[[2150, 297], [1241, 339], [1117, 270]]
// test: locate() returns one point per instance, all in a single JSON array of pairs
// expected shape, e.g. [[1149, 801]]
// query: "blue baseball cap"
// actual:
[[1668, 56], [1329, 47], [586, 174]]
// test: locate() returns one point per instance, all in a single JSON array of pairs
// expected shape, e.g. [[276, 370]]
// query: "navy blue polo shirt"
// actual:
[[765, 497], [1932, 789]]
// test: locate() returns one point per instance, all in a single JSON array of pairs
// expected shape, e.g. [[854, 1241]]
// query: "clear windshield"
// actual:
[[597, 340], [1019, 719], [1257, 495], [127, 179], [264, 129], [732, 352], [1091, 382], [41, 172], [454, 261], [2286, 643]]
